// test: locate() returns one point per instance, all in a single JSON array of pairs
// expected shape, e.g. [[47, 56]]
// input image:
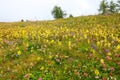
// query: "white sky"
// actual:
[[15, 10]]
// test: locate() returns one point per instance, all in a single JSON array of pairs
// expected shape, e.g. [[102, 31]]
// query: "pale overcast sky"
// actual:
[[15, 10]]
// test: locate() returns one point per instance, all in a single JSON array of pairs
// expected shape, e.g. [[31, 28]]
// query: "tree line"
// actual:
[[109, 7], [105, 7]]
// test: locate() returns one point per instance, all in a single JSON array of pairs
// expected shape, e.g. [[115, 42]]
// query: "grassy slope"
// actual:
[[78, 48]]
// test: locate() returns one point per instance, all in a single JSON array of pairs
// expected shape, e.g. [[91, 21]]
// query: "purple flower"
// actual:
[[106, 50], [94, 46]]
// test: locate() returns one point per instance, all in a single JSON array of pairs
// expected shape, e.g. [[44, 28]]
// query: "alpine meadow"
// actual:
[[73, 48]]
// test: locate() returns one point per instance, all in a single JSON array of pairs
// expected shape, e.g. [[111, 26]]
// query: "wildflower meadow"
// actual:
[[79, 48]]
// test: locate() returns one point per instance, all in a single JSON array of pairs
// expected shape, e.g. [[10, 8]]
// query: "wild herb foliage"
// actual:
[[83, 48]]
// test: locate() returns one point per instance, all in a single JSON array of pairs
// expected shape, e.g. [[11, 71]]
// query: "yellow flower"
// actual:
[[59, 43], [74, 36], [50, 57], [87, 31], [38, 58], [27, 44], [118, 47], [96, 72], [102, 60], [1, 72], [52, 41], [47, 41], [42, 68], [85, 36], [17, 47], [93, 51], [109, 54], [19, 53], [69, 44], [98, 43], [0, 39]]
